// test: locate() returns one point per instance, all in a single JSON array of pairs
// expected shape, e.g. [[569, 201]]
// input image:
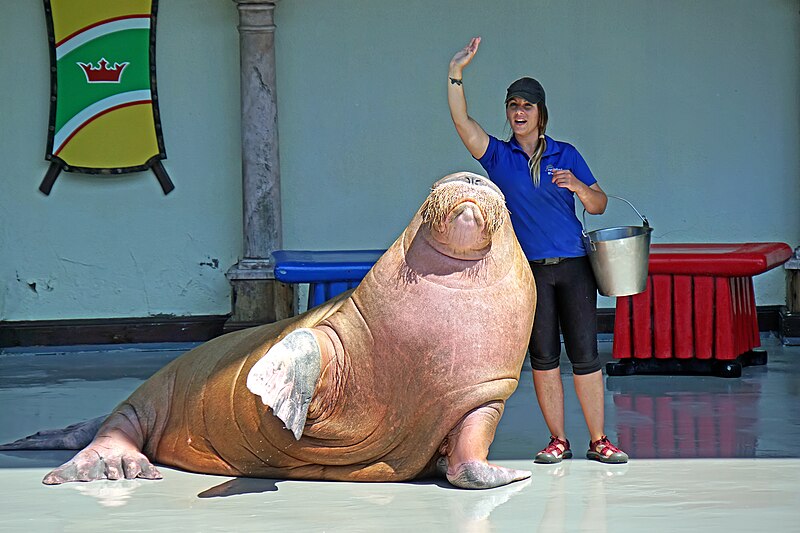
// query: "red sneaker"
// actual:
[[556, 451], [602, 450]]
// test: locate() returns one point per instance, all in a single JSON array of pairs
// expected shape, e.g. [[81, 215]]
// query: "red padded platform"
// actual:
[[744, 259], [699, 303]]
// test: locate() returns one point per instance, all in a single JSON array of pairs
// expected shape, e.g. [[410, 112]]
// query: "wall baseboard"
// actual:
[[111, 331], [203, 328]]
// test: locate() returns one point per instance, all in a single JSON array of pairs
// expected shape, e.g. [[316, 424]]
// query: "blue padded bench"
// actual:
[[328, 273]]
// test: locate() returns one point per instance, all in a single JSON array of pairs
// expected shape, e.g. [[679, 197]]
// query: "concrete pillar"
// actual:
[[257, 297]]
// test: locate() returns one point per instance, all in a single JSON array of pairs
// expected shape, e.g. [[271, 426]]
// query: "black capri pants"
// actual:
[[566, 296]]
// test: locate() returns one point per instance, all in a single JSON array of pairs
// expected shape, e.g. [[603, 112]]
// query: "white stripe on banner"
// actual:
[[93, 110], [99, 31]]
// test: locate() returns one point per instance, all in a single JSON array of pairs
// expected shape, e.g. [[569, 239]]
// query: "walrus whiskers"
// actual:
[[444, 198]]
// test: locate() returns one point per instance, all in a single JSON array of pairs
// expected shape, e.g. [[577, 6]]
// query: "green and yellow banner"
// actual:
[[104, 115]]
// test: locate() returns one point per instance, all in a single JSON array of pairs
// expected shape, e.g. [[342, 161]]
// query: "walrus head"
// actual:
[[463, 212]]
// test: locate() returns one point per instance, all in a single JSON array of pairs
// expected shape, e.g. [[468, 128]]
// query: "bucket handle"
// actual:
[[583, 230]]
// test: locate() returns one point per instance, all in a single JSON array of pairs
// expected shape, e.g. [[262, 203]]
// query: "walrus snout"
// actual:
[[469, 212], [463, 212], [451, 195]]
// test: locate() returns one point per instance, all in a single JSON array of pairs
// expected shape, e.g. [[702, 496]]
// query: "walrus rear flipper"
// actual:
[[74, 437], [286, 377]]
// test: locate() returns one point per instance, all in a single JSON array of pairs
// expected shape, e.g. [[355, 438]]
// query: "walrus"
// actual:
[[404, 377]]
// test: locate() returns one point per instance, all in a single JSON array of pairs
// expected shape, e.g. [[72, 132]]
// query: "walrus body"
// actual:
[[408, 372]]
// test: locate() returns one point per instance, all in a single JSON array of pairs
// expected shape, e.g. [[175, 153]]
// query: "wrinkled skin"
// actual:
[[404, 377]]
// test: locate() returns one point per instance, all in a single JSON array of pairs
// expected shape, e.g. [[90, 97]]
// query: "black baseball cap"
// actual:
[[527, 88]]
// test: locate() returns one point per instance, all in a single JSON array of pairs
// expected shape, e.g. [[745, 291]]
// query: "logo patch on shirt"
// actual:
[[551, 169]]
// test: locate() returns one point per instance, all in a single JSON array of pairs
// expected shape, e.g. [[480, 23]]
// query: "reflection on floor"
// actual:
[[708, 454], [685, 424]]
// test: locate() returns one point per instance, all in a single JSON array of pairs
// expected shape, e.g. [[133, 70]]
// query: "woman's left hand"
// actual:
[[592, 197], [567, 180]]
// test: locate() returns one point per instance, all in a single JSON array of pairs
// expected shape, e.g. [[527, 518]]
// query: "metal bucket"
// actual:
[[619, 256]]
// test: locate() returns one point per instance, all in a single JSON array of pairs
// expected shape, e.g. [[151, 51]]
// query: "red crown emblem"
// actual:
[[103, 74]]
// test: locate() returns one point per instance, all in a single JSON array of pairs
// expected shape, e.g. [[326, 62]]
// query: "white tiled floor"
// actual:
[[708, 454]]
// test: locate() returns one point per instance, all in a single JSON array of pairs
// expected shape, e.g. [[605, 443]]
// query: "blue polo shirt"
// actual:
[[544, 218]]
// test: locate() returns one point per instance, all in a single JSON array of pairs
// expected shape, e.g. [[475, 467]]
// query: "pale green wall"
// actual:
[[690, 109], [117, 247]]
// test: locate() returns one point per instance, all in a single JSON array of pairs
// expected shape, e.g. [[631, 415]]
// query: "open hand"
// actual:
[[464, 56]]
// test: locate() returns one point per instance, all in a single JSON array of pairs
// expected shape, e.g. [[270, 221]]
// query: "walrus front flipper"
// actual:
[[104, 460], [114, 453], [467, 447], [286, 377], [482, 475], [72, 437]]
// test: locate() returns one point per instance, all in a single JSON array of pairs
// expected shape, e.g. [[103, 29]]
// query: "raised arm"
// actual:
[[472, 135]]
